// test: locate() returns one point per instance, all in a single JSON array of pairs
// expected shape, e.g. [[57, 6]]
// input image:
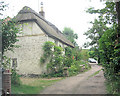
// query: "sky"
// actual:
[[61, 13]]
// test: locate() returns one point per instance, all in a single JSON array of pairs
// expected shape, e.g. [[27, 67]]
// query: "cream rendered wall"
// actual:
[[28, 55]]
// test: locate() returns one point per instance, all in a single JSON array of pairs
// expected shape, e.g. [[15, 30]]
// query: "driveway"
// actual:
[[85, 83]]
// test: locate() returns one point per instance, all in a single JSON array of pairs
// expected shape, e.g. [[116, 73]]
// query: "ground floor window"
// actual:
[[14, 62]]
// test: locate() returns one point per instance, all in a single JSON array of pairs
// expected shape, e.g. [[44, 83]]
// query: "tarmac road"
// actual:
[[84, 83]]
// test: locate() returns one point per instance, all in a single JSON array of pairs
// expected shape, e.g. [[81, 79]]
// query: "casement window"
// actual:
[[14, 62], [56, 42]]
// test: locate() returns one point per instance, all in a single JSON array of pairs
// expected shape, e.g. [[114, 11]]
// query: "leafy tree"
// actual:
[[70, 35], [9, 34], [91, 54], [84, 54], [2, 7], [9, 31], [95, 34], [106, 16], [109, 44], [8, 39]]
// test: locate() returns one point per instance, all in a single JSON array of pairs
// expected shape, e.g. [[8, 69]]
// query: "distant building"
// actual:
[[36, 31]]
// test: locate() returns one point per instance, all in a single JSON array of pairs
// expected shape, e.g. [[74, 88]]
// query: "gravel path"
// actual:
[[81, 84]]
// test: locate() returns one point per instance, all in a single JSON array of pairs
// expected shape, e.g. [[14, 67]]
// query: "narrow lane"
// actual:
[[83, 83]]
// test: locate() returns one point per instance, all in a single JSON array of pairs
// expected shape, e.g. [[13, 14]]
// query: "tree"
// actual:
[[95, 34], [109, 45], [9, 31], [106, 16], [9, 34], [8, 38], [70, 35], [2, 7], [91, 54]]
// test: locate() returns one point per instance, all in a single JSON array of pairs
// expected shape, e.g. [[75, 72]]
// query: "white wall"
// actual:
[[28, 55]]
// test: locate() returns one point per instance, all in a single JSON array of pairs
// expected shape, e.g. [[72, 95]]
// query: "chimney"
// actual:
[[42, 13]]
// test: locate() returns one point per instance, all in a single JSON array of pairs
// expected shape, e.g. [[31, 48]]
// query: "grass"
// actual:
[[112, 87], [32, 85], [36, 85], [94, 73]]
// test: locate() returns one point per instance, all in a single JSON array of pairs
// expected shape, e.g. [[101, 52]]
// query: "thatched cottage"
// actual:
[[36, 31]]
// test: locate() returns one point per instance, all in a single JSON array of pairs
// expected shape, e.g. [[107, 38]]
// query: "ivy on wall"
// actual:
[[54, 54], [58, 61]]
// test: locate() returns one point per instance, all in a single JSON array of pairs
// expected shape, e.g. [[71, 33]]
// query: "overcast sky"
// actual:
[[62, 13]]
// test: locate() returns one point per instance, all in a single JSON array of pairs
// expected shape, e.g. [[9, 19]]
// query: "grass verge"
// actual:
[[97, 72], [33, 85], [113, 87]]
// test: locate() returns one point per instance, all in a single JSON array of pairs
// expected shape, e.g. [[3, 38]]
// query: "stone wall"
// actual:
[[30, 51]]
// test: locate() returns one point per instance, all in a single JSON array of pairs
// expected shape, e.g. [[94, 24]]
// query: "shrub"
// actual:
[[57, 61], [15, 78]]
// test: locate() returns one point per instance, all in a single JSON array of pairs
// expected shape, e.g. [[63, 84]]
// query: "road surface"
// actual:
[[85, 83]]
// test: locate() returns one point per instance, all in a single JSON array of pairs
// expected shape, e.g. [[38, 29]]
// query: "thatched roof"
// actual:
[[27, 14]]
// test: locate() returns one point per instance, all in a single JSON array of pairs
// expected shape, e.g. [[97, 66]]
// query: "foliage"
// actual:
[[70, 35], [2, 7], [108, 13], [109, 45], [68, 60], [58, 60], [75, 68], [84, 54], [110, 58], [76, 53], [9, 38], [32, 85], [95, 34], [78, 66], [9, 34], [54, 54], [5, 62], [48, 46], [71, 55], [106, 16], [91, 54], [73, 60], [15, 78]]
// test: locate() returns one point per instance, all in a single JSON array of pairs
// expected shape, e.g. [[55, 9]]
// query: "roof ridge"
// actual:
[[27, 9], [58, 33]]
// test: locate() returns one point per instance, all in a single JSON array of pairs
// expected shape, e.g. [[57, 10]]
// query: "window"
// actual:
[[14, 62], [56, 42], [60, 45]]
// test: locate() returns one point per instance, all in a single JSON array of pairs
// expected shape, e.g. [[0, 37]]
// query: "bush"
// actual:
[[57, 62], [110, 58], [15, 78]]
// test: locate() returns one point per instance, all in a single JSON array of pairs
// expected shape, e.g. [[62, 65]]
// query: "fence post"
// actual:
[[6, 81]]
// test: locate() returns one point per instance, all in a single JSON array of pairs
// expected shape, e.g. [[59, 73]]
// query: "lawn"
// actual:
[[33, 85]]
